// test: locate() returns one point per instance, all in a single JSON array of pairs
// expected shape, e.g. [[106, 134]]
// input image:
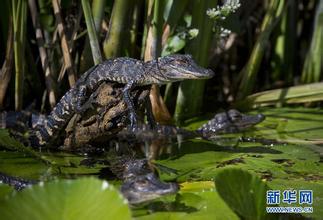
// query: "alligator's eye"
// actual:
[[235, 117], [142, 182], [180, 62]]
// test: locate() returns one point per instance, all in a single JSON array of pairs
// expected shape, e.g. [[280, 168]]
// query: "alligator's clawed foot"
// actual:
[[133, 121], [101, 114], [153, 125], [88, 104]]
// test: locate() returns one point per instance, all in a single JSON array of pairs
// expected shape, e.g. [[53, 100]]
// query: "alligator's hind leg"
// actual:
[[131, 107]]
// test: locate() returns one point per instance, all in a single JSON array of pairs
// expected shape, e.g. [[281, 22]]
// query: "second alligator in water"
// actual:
[[225, 122]]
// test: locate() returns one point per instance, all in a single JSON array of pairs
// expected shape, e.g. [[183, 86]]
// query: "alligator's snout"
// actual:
[[209, 73], [261, 117], [146, 187], [197, 73]]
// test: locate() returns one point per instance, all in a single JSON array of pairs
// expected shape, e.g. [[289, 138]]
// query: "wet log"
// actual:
[[109, 115]]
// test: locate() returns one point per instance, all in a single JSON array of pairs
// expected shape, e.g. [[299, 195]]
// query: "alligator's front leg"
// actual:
[[130, 105], [81, 104], [149, 113]]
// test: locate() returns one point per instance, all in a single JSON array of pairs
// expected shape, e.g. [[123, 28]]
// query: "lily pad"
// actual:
[[196, 200], [243, 192], [7, 141], [86, 198], [4, 191], [301, 184]]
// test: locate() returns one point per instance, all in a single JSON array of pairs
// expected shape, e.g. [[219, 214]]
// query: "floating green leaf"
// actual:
[[201, 203], [243, 192], [301, 184], [7, 141], [78, 199], [4, 191]]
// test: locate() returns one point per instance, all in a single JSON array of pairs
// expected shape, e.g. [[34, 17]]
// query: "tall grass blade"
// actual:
[[284, 54], [42, 53], [98, 13], [68, 62], [133, 49], [95, 48], [5, 72], [19, 11], [251, 69], [118, 29], [296, 94], [312, 68]]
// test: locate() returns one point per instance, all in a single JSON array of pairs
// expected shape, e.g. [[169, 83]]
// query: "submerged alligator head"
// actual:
[[229, 122], [177, 67], [141, 184], [146, 187]]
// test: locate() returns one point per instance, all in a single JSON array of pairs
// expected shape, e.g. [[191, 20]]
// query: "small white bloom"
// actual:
[[193, 32], [105, 185]]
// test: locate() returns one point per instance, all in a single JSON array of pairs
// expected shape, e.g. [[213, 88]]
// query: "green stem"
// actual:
[[95, 48], [136, 14], [19, 11], [113, 44], [145, 32], [312, 68], [284, 54], [153, 42], [157, 24], [250, 71], [98, 12]]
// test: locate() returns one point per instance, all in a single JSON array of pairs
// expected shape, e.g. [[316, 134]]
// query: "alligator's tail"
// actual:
[[46, 129], [15, 182]]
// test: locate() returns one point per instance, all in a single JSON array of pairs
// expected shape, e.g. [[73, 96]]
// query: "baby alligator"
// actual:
[[225, 122], [128, 71], [140, 183]]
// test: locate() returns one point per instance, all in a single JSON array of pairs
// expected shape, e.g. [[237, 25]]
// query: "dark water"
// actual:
[[285, 152]]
